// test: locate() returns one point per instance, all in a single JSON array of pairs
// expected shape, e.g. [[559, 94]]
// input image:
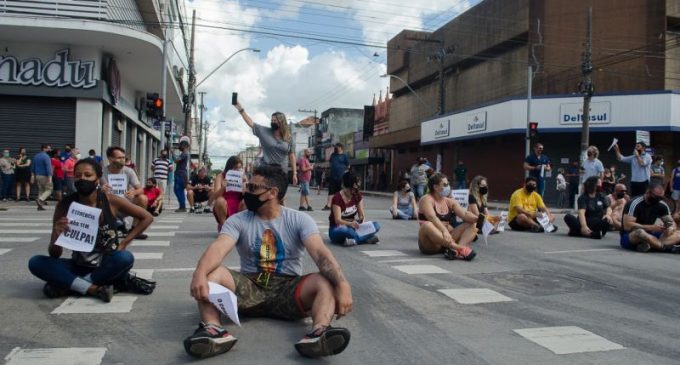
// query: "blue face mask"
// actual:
[[446, 192]]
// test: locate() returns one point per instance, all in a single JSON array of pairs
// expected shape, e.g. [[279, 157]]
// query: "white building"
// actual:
[[76, 72]]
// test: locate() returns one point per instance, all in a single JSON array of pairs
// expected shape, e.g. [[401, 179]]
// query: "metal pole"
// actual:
[[527, 137], [200, 128], [192, 77], [586, 87], [164, 84]]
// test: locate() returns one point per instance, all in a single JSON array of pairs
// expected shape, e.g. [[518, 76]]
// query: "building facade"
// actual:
[[77, 73]]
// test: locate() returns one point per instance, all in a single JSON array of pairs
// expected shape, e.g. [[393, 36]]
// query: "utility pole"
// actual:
[[527, 136], [164, 84], [192, 77], [587, 86], [200, 128]]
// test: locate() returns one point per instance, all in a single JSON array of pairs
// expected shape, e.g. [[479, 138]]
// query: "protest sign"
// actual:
[[234, 181], [544, 221], [119, 184], [224, 300], [461, 196], [83, 224], [366, 228]]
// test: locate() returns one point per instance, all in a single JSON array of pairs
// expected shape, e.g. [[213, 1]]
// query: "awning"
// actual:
[[392, 139]]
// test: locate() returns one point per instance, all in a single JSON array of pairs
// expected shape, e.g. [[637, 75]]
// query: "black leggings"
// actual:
[[598, 226]]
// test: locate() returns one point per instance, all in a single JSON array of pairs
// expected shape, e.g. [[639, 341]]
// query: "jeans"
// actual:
[[7, 185], [461, 185], [62, 272], [339, 234], [540, 187], [418, 191], [180, 182], [405, 214]]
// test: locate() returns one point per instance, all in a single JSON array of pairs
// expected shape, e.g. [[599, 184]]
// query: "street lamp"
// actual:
[[409, 87], [225, 61]]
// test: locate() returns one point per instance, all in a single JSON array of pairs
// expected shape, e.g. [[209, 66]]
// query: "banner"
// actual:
[[83, 224]]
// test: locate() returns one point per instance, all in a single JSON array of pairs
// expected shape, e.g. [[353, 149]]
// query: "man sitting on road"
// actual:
[[198, 191], [617, 200], [271, 240], [525, 204], [640, 231]]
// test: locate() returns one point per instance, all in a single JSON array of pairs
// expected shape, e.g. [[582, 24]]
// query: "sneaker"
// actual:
[[207, 210], [303, 209], [326, 207], [675, 249], [536, 229], [309, 209], [372, 241], [209, 340], [449, 254], [643, 247], [154, 213], [553, 229], [325, 341], [142, 236], [350, 242], [39, 204], [465, 253], [105, 293], [181, 210], [51, 291], [192, 210]]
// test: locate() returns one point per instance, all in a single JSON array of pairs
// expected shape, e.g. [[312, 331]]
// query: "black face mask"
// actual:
[[621, 195], [336, 150], [274, 126], [530, 188], [149, 186], [483, 190], [253, 202], [407, 190], [653, 199], [85, 187]]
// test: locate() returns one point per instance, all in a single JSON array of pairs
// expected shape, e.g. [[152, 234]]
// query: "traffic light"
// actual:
[[154, 106], [533, 129]]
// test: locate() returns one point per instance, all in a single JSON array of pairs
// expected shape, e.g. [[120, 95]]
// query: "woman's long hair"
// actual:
[[283, 125], [474, 189], [232, 162]]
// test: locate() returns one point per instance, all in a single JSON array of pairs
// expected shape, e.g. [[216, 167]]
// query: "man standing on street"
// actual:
[[182, 176], [7, 172], [304, 179], [339, 164], [538, 165], [460, 172], [160, 168], [41, 170], [640, 167]]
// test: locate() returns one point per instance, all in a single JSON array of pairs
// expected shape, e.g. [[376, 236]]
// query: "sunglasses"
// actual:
[[253, 187]]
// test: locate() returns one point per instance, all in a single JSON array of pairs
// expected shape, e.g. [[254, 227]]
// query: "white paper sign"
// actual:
[[544, 221], [461, 196], [224, 300], [83, 224], [119, 184], [542, 170], [486, 230], [614, 142], [234, 181], [501, 224], [366, 228]]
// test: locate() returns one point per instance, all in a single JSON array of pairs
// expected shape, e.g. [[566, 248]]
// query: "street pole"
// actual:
[[164, 84], [586, 87], [192, 77], [527, 136], [200, 128]]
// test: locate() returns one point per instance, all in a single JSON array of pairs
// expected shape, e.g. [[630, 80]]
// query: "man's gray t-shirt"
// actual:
[[271, 246], [274, 151], [132, 179]]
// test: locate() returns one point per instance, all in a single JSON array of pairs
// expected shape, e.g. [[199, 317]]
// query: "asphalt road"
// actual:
[[588, 301]]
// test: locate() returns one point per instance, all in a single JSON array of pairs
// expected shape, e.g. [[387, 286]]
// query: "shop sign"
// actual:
[[361, 154], [57, 72], [443, 129], [572, 113], [476, 122]]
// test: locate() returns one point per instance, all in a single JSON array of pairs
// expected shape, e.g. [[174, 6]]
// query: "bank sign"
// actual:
[[475, 123], [57, 72], [572, 113], [442, 130]]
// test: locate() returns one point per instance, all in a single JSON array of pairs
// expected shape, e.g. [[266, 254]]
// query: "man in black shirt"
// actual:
[[594, 214], [640, 231], [198, 190]]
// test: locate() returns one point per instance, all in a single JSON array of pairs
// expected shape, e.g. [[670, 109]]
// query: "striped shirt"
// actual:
[[160, 168], [645, 213]]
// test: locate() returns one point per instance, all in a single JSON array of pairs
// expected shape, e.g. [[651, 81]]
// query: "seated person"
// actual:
[[345, 205], [198, 190], [154, 196], [640, 231], [617, 200], [228, 190], [271, 240], [404, 204], [89, 273], [594, 213], [477, 198], [525, 204], [436, 235]]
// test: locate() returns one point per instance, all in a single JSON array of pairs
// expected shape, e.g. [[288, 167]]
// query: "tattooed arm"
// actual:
[[331, 270]]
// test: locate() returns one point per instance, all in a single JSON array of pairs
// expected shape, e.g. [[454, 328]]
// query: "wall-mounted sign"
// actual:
[[572, 113], [57, 72], [476, 122], [443, 129]]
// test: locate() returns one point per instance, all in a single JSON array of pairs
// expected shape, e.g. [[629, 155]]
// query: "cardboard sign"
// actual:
[[119, 184], [234, 181], [83, 225], [224, 300]]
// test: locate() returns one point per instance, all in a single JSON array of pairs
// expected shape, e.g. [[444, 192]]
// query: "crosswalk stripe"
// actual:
[[18, 239], [150, 243], [163, 227], [475, 295], [4, 251], [161, 234], [29, 231], [78, 305], [421, 269], [143, 273], [567, 340], [24, 224], [62, 356], [147, 255], [27, 219]]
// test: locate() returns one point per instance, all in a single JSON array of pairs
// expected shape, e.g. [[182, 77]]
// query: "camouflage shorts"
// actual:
[[276, 296]]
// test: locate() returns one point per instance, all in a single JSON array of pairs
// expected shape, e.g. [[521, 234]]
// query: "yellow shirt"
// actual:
[[529, 202]]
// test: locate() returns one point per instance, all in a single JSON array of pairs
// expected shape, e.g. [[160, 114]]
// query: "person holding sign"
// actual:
[[228, 191], [345, 205], [525, 205], [85, 221], [477, 201], [271, 240], [436, 235], [640, 167], [122, 181]]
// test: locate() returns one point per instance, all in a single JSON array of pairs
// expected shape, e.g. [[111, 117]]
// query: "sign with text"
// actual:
[[83, 224], [572, 113], [119, 184], [461, 196], [476, 123], [234, 181], [443, 130], [642, 136], [57, 72], [224, 300]]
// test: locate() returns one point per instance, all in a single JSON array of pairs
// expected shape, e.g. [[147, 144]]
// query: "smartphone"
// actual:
[[234, 98]]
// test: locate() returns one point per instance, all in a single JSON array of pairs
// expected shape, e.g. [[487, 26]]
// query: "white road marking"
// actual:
[[147, 255], [24, 231], [142, 243], [384, 253], [409, 260], [143, 273], [56, 356], [73, 305], [161, 234], [163, 227], [25, 224], [567, 340], [179, 269], [421, 269], [590, 250], [19, 239], [475, 296], [4, 251], [26, 219]]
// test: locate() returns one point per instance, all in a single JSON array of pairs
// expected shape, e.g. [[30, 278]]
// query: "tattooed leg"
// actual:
[[639, 236]]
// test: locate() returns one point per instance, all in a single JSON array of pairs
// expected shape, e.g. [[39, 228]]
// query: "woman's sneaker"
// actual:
[[465, 253], [325, 341], [52, 291], [209, 340], [105, 293], [350, 242]]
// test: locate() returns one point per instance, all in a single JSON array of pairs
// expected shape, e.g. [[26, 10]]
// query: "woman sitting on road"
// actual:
[[477, 201], [436, 235], [404, 204], [228, 191], [345, 205], [92, 273]]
